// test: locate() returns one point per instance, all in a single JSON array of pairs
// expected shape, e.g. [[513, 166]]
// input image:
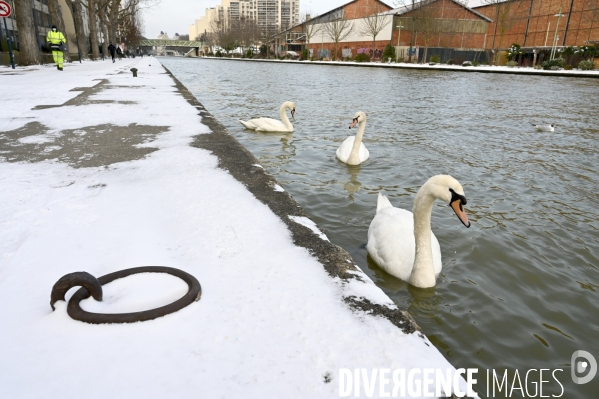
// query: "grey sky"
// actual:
[[176, 16]]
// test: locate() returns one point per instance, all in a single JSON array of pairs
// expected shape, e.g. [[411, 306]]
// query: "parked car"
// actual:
[[294, 55]]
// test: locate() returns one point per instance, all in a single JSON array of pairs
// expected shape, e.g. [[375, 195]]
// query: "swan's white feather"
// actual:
[[272, 125], [382, 202], [344, 151], [391, 242]]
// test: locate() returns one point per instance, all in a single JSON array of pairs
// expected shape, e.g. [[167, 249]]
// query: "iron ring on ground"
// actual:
[[193, 294]]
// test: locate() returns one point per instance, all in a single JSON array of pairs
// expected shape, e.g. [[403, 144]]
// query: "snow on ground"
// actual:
[[270, 322], [440, 67]]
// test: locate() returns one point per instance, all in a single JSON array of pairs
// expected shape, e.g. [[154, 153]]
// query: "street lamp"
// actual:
[[398, 36], [554, 47]]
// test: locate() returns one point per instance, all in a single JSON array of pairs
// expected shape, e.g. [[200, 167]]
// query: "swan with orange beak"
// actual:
[[402, 243], [352, 151]]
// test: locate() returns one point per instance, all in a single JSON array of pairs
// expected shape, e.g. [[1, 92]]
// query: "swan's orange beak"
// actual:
[[293, 113], [457, 207], [353, 123]]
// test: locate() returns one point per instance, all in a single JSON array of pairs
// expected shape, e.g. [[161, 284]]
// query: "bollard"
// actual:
[[134, 70]]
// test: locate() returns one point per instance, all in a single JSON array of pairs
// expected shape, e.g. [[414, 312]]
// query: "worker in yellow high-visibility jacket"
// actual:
[[55, 41]]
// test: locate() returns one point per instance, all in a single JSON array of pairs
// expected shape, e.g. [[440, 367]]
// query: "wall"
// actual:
[[442, 24], [356, 39], [538, 29]]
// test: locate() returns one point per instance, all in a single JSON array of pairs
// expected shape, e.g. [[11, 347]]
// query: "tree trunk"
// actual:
[[114, 19], [104, 28], [374, 48], [93, 36], [29, 52], [56, 17], [78, 19]]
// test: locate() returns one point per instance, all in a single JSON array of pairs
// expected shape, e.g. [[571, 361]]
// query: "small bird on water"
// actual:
[[548, 127]]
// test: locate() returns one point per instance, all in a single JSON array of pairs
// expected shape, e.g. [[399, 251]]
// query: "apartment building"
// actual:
[[271, 15]]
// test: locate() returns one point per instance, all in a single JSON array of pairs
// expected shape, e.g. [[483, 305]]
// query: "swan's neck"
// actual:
[[284, 118], [423, 272], [354, 155]]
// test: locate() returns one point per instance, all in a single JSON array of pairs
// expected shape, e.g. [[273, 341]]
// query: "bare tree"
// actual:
[[374, 23], [120, 21], [77, 12], [310, 29], [411, 22], [103, 27], [92, 13], [428, 26], [224, 36], [28, 49], [247, 32], [503, 20], [338, 30]]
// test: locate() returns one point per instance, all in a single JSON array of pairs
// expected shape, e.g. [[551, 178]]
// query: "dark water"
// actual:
[[520, 288]]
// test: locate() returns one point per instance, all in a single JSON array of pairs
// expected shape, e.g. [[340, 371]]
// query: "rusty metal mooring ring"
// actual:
[[89, 282]]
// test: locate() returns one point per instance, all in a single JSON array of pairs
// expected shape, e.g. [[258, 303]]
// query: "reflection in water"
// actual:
[[288, 148], [353, 185], [519, 289], [425, 302]]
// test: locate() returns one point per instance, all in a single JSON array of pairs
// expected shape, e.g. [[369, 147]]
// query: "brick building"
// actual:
[[435, 24], [321, 45], [455, 31], [538, 25]]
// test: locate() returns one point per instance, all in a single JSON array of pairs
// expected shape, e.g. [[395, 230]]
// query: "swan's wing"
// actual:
[[271, 125], [363, 153], [344, 149], [391, 241], [248, 124], [382, 202], [437, 264]]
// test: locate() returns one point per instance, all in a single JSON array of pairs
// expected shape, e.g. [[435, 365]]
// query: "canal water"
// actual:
[[519, 289]]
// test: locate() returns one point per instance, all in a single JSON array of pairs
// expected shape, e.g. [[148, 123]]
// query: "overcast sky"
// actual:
[[176, 16]]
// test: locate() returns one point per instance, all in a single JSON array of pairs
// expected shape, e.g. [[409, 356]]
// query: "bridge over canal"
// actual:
[[166, 46]]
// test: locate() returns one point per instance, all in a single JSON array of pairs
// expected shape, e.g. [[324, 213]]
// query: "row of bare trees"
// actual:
[[340, 29], [116, 21], [245, 32], [229, 35]]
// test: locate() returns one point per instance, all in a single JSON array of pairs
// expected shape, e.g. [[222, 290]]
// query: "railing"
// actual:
[[171, 43]]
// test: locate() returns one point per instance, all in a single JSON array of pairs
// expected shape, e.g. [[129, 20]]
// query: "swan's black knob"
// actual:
[[68, 281]]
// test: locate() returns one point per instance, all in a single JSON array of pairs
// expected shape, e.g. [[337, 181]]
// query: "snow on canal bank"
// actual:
[[271, 322]]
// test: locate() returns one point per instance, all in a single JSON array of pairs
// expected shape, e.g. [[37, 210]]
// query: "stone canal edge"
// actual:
[[243, 166]]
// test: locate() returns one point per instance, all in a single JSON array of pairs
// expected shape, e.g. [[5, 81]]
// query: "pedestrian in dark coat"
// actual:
[[112, 49]]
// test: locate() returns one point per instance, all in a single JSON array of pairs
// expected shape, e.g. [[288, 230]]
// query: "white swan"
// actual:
[[402, 243], [273, 125], [352, 151], [545, 128]]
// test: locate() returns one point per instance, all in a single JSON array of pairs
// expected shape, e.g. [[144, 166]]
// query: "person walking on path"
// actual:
[[112, 50], [119, 52], [56, 40]]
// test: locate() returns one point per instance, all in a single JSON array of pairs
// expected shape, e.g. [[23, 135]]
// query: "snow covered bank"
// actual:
[[574, 73], [125, 172]]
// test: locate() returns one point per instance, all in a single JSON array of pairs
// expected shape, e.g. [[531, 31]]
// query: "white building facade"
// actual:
[[270, 15]]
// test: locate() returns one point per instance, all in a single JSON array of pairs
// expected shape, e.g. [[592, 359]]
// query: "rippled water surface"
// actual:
[[520, 288]]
